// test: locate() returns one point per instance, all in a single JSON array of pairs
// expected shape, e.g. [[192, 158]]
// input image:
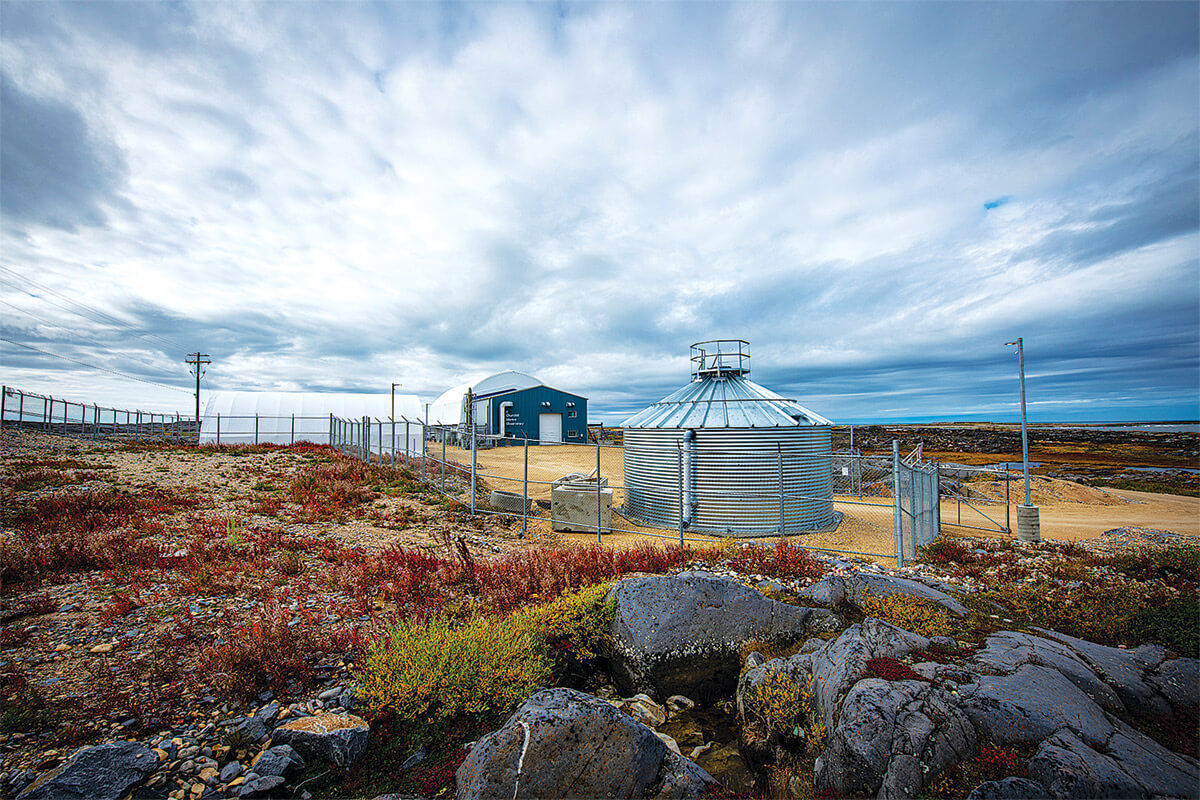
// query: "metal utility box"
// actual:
[[573, 504]]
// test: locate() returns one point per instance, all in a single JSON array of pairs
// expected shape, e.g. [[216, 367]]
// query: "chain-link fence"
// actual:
[[19, 409], [580, 488]]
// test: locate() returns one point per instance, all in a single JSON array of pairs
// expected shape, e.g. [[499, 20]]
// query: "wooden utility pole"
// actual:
[[197, 360]]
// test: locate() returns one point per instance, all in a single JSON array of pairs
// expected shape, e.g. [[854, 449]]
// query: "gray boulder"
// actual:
[[1007, 789], [1124, 670], [1032, 704], [890, 737], [680, 779], [829, 591], [834, 590], [1179, 682], [280, 760], [263, 786], [1067, 767], [564, 743], [843, 661], [104, 772], [338, 739], [1006, 651], [681, 634]]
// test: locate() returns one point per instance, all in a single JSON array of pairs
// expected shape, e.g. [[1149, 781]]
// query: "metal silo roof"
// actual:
[[724, 401]]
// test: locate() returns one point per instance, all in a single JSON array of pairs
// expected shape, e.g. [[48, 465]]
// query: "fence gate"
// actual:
[[976, 498], [917, 509]]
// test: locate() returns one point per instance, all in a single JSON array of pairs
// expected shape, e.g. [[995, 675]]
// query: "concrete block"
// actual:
[[573, 508]]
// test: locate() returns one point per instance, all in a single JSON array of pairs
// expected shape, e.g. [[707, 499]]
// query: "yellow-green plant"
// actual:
[[427, 672], [233, 532], [783, 706], [914, 614]]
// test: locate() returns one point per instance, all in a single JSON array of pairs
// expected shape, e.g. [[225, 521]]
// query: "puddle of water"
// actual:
[[723, 761], [1188, 470]]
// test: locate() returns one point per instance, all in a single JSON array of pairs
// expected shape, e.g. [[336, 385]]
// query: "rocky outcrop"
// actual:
[[835, 590], [842, 662], [564, 743], [891, 735], [682, 633], [338, 739], [1062, 696], [104, 772]]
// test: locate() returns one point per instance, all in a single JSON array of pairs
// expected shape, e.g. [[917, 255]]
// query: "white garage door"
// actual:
[[550, 428]]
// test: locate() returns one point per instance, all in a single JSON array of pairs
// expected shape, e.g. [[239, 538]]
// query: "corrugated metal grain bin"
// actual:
[[731, 457]]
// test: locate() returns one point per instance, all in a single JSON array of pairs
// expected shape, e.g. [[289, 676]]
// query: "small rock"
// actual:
[[338, 739], [669, 741], [230, 771], [413, 760], [280, 760], [677, 703], [102, 648]]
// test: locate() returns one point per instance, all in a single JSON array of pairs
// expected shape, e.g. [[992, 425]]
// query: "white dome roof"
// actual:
[[448, 408]]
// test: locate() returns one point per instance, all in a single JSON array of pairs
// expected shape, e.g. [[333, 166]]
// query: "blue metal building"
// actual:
[[516, 406]]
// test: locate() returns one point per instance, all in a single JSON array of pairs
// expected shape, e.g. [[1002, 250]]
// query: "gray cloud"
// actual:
[[54, 170], [342, 195]]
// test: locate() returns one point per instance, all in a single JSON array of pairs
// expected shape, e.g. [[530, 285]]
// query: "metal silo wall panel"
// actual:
[[736, 481]]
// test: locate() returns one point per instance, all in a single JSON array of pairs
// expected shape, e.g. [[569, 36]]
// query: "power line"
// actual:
[[106, 317], [45, 321], [93, 366]]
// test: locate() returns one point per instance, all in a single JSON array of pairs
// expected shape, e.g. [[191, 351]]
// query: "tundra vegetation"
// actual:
[[151, 587]]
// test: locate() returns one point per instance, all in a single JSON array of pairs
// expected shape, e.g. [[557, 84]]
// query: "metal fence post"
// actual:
[[218, 427], [442, 433], [782, 536], [407, 455], [597, 492], [46, 409], [21, 410], [393, 421], [680, 444], [473, 460], [256, 427], [3, 397], [1007, 503], [525, 491], [292, 438], [896, 513]]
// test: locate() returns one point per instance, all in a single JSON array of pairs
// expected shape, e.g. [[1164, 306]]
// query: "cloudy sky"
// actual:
[[876, 196]]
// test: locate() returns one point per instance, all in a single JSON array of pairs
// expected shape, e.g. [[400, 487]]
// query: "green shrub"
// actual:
[[1175, 625], [427, 673]]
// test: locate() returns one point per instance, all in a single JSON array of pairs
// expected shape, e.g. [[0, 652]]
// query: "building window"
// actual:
[[572, 414], [572, 434]]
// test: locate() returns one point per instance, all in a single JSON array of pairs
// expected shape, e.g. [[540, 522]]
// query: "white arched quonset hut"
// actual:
[[286, 417]]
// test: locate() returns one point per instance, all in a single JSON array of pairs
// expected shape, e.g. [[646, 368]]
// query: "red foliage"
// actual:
[[889, 669], [267, 653], [331, 491], [120, 605], [783, 560], [434, 777], [945, 551]]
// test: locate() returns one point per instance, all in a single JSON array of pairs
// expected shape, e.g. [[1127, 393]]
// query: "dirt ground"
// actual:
[[1068, 511]]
